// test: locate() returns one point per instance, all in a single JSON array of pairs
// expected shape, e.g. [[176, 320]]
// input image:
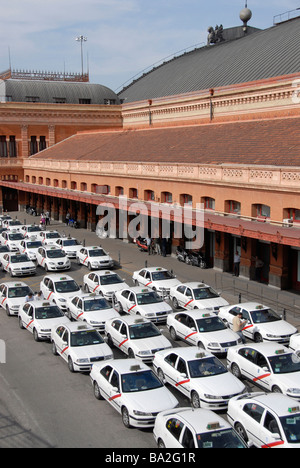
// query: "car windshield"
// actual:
[[96, 304], [264, 316], [204, 293], [55, 253], [85, 338], [19, 259], [291, 427], [19, 291], [140, 382], [148, 298], [15, 223], [67, 286], [139, 331], [225, 438], [97, 253], [15, 237], [4, 248], [53, 235], [48, 312], [206, 367], [70, 242], [162, 276], [210, 324], [34, 245], [106, 280], [285, 363], [33, 229]]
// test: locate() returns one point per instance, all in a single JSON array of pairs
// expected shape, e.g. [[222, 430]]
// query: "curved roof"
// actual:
[[260, 55], [55, 91]]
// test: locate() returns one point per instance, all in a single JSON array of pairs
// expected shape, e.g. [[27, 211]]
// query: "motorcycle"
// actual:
[[181, 254], [196, 259], [142, 244]]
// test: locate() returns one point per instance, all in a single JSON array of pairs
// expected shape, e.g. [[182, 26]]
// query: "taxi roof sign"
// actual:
[[294, 409], [214, 425]]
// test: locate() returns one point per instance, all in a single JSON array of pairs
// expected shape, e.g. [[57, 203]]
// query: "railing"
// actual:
[[288, 15]]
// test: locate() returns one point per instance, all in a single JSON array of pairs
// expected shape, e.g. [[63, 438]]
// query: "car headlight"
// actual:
[[272, 336], [150, 315], [83, 361], [141, 413], [144, 353], [211, 397], [213, 345], [294, 391], [62, 300], [52, 263]]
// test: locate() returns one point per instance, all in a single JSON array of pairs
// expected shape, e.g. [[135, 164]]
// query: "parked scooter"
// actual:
[[142, 244], [196, 259], [181, 254]]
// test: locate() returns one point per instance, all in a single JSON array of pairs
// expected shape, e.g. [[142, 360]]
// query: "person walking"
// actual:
[[236, 264], [238, 325]]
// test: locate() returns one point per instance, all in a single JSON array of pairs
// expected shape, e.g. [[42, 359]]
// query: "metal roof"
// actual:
[[263, 54], [55, 91]]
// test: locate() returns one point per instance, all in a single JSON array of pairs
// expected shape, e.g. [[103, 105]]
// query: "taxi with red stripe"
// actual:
[[137, 337], [49, 237], [13, 295], [262, 323], [59, 288], [104, 283], [94, 257], [133, 390], [194, 295], [270, 366], [90, 308], [199, 375], [266, 420], [80, 345], [144, 302], [159, 279], [203, 329], [38, 317]]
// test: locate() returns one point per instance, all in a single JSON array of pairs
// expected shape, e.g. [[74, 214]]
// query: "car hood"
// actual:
[[276, 328], [87, 352], [211, 303], [151, 401], [101, 315], [219, 385], [22, 265], [291, 380], [171, 283], [157, 342], [112, 287], [221, 336], [159, 307], [50, 323]]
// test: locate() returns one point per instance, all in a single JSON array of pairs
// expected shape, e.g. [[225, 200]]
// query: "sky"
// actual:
[[124, 37]]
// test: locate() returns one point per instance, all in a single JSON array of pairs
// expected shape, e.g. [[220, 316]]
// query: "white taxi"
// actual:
[[94, 310], [17, 264], [136, 337], [200, 376], [157, 278], [263, 324], [12, 239], [31, 230], [267, 420], [270, 366], [194, 428], [30, 248], [3, 250], [12, 224], [79, 345], [295, 343], [191, 296], [52, 258], [49, 237], [94, 257], [38, 317], [132, 389], [58, 289], [203, 329], [13, 295], [144, 302], [70, 245], [105, 283]]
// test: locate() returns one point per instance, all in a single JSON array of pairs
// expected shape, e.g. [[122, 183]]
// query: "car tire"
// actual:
[[36, 336], [161, 376], [97, 392], [71, 366], [276, 389], [241, 431], [173, 334], [195, 400], [131, 354], [125, 417], [161, 444], [175, 303], [54, 350], [110, 341], [21, 324], [258, 338], [235, 370]]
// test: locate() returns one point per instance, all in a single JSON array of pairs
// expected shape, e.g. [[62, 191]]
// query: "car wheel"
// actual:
[[175, 303], [236, 370], [125, 417], [97, 392], [36, 336], [90, 266], [161, 444], [86, 288], [110, 341], [258, 338], [54, 350], [21, 324], [161, 376], [8, 311], [276, 389], [200, 345], [131, 354], [195, 400], [119, 308], [173, 334], [71, 365], [241, 431]]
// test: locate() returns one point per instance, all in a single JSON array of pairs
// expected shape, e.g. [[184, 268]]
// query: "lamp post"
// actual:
[[81, 39]]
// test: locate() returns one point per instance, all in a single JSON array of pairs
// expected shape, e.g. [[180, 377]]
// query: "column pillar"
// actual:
[[24, 141]]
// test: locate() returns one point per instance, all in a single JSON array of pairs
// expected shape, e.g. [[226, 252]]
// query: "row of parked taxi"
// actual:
[[86, 325]]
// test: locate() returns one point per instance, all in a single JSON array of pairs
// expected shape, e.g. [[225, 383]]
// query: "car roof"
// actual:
[[195, 285], [188, 353], [14, 284], [59, 277], [77, 326], [139, 289], [198, 418], [268, 349], [133, 319], [125, 365], [197, 314], [153, 269], [277, 402], [250, 306]]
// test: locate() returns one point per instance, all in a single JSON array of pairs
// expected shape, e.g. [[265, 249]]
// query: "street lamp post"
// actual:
[[81, 39]]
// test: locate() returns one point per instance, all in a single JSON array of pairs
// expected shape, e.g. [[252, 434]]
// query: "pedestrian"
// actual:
[[43, 221], [149, 244], [238, 325], [47, 216], [68, 216], [236, 264], [29, 297], [164, 247], [258, 268], [158, 246], [39, 296]]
